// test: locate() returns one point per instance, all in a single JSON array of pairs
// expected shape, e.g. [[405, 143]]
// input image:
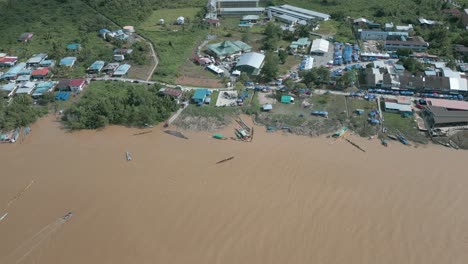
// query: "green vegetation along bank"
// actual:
[[117, 103]]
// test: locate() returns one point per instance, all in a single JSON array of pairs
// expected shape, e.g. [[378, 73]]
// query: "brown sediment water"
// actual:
[[283, 199]]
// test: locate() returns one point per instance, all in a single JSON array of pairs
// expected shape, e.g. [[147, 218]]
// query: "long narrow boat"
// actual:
[[402, 139], [392, 137]]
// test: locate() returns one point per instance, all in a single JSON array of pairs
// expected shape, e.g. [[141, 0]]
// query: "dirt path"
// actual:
[[148, 42]]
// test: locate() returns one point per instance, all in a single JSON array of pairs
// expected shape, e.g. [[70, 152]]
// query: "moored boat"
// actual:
[[219, 136]]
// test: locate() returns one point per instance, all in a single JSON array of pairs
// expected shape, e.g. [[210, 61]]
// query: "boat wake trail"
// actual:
[[27, 247]]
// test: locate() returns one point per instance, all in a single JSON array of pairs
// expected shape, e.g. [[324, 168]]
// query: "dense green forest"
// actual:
[[21, 112], [118, 103]]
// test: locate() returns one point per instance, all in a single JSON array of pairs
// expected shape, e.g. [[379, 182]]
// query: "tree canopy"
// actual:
[[19, 113], [118, 104]]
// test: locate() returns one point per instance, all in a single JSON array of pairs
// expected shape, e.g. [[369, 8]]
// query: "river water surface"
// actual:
[[282, 199]]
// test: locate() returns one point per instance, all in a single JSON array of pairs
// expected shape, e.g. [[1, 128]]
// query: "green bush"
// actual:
[[118, 104]]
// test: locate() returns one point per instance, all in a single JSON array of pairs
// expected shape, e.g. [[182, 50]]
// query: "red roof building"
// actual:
[[448, 104], [40, 72], [76, 85], [171, 92], [8, 61]]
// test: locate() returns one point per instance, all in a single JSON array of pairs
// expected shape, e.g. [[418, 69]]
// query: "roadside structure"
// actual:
[[200, 95], [122, 70], [96, 67]]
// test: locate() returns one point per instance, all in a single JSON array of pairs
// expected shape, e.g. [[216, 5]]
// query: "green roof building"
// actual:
[[228, 48], [200, 95], [287, 99], [300, 43]]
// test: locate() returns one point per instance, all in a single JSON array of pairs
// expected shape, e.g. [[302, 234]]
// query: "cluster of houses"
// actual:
[[438, 79], [120, 34], [238, 54], [393, 36], [33, 76]]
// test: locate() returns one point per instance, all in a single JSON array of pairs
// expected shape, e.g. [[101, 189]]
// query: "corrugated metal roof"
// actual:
[[200, 94], [242, 9], [451, 104], [122, 69], [306, 11], [68, 61], [320, 45], [252, 59], [442, 116], [399, 107]]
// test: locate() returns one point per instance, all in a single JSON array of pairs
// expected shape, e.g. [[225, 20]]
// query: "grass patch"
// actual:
[[328, 27], [406, 125], [214, 98], [173, 43], [359, 123], [291, 63]]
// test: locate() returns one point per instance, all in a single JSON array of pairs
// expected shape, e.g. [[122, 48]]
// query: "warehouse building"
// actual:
[[297, 12], [319, 46], [250, 63]]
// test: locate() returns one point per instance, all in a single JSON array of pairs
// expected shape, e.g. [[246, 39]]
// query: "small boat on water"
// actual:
[[128, 156], [219, 136], [175, 134], [453, 145], [340, 132], [67, 216], [224, 160], [384, 143]]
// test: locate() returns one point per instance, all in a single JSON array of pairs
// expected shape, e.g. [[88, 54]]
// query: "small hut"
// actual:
[[180, 20]]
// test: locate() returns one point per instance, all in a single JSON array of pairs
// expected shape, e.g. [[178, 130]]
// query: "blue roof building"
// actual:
[[104, 31], [43, 87], [200, 95], [74, 47], [121, 70], [13, 72], [96, 67], [68, 61], [47, 63]]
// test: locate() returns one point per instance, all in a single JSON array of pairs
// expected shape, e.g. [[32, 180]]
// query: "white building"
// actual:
[[297, 12], [319, 46]]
